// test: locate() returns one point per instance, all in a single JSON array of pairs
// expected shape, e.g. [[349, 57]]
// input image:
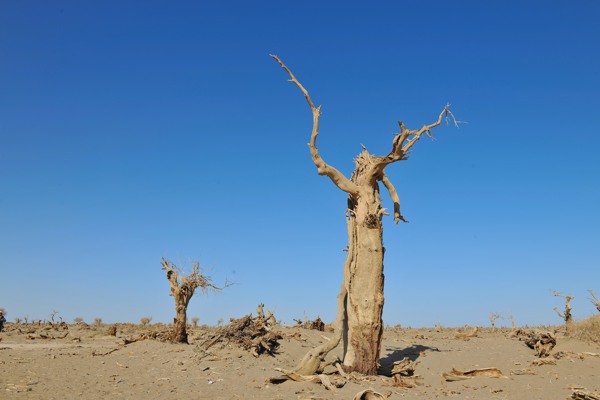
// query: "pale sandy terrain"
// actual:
[[89, 364]]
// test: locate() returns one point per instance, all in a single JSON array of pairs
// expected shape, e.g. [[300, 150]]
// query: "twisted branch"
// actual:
[[322, 167]]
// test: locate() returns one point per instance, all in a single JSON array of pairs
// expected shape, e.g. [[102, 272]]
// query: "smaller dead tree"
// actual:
[[566, 315], [512, 323], [595, 300], [182, 290], [493, 317]]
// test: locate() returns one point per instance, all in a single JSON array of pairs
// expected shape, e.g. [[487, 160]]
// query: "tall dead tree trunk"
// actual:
[[182, 290], [363, 285]]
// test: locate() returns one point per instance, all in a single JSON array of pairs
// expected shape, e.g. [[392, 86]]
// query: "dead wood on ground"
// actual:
[[542, 343], [254, 334], [370, 394], [581, 394], [458, 375], [316, 324], [466, 335], [403, 373]]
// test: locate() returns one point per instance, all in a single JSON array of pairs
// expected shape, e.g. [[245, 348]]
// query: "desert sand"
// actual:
[[87, 363]]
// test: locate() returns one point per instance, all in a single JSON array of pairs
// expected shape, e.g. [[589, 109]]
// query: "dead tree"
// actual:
[[493, 317], [566, 315], [362, 290], [182, 290], [595, 300]]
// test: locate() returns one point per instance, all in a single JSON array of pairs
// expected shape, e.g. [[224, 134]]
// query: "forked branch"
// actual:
[[405, 140], [408, 137], [322, 167]]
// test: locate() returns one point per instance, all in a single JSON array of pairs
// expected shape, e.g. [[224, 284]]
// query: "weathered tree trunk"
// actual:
[[364, 279], [179, 334], [362, 308]]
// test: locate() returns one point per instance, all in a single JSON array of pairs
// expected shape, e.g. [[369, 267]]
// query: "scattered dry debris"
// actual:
[[250, 333], [34, 336], [370, 394], [403, 373], [542, 343], [580, 394], [316, 324], [524, 371], [458, 375], [570, 355], [466, 335], [404, 367], [330, 382], [543, 361]]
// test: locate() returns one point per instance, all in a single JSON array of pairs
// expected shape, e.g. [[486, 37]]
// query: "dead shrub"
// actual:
[[254, 334]]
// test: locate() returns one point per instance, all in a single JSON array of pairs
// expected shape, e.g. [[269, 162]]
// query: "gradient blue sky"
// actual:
[[131, 131]]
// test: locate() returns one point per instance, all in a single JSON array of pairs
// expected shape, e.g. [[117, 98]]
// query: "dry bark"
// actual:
[[363, 269]]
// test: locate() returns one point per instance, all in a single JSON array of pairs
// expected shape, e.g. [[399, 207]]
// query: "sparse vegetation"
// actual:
[[144, 321], [588, 329], [97, 322], [195, 321]]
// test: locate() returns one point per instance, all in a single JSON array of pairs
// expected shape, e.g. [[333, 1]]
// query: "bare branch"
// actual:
[[559, 313], [196, 279], [558, 294], [416, 134], [322, 167], [394, 195], [595, 300], [404, 140]]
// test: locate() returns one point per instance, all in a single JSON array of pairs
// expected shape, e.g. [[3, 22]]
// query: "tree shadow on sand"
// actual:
[[413, 353]]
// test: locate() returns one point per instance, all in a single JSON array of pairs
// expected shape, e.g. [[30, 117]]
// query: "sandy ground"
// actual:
[[89, 364]]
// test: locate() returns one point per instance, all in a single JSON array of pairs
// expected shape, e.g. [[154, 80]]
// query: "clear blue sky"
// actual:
[[131, 131]]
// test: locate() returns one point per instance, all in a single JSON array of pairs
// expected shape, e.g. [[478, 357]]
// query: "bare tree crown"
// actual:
[[401, 146]]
